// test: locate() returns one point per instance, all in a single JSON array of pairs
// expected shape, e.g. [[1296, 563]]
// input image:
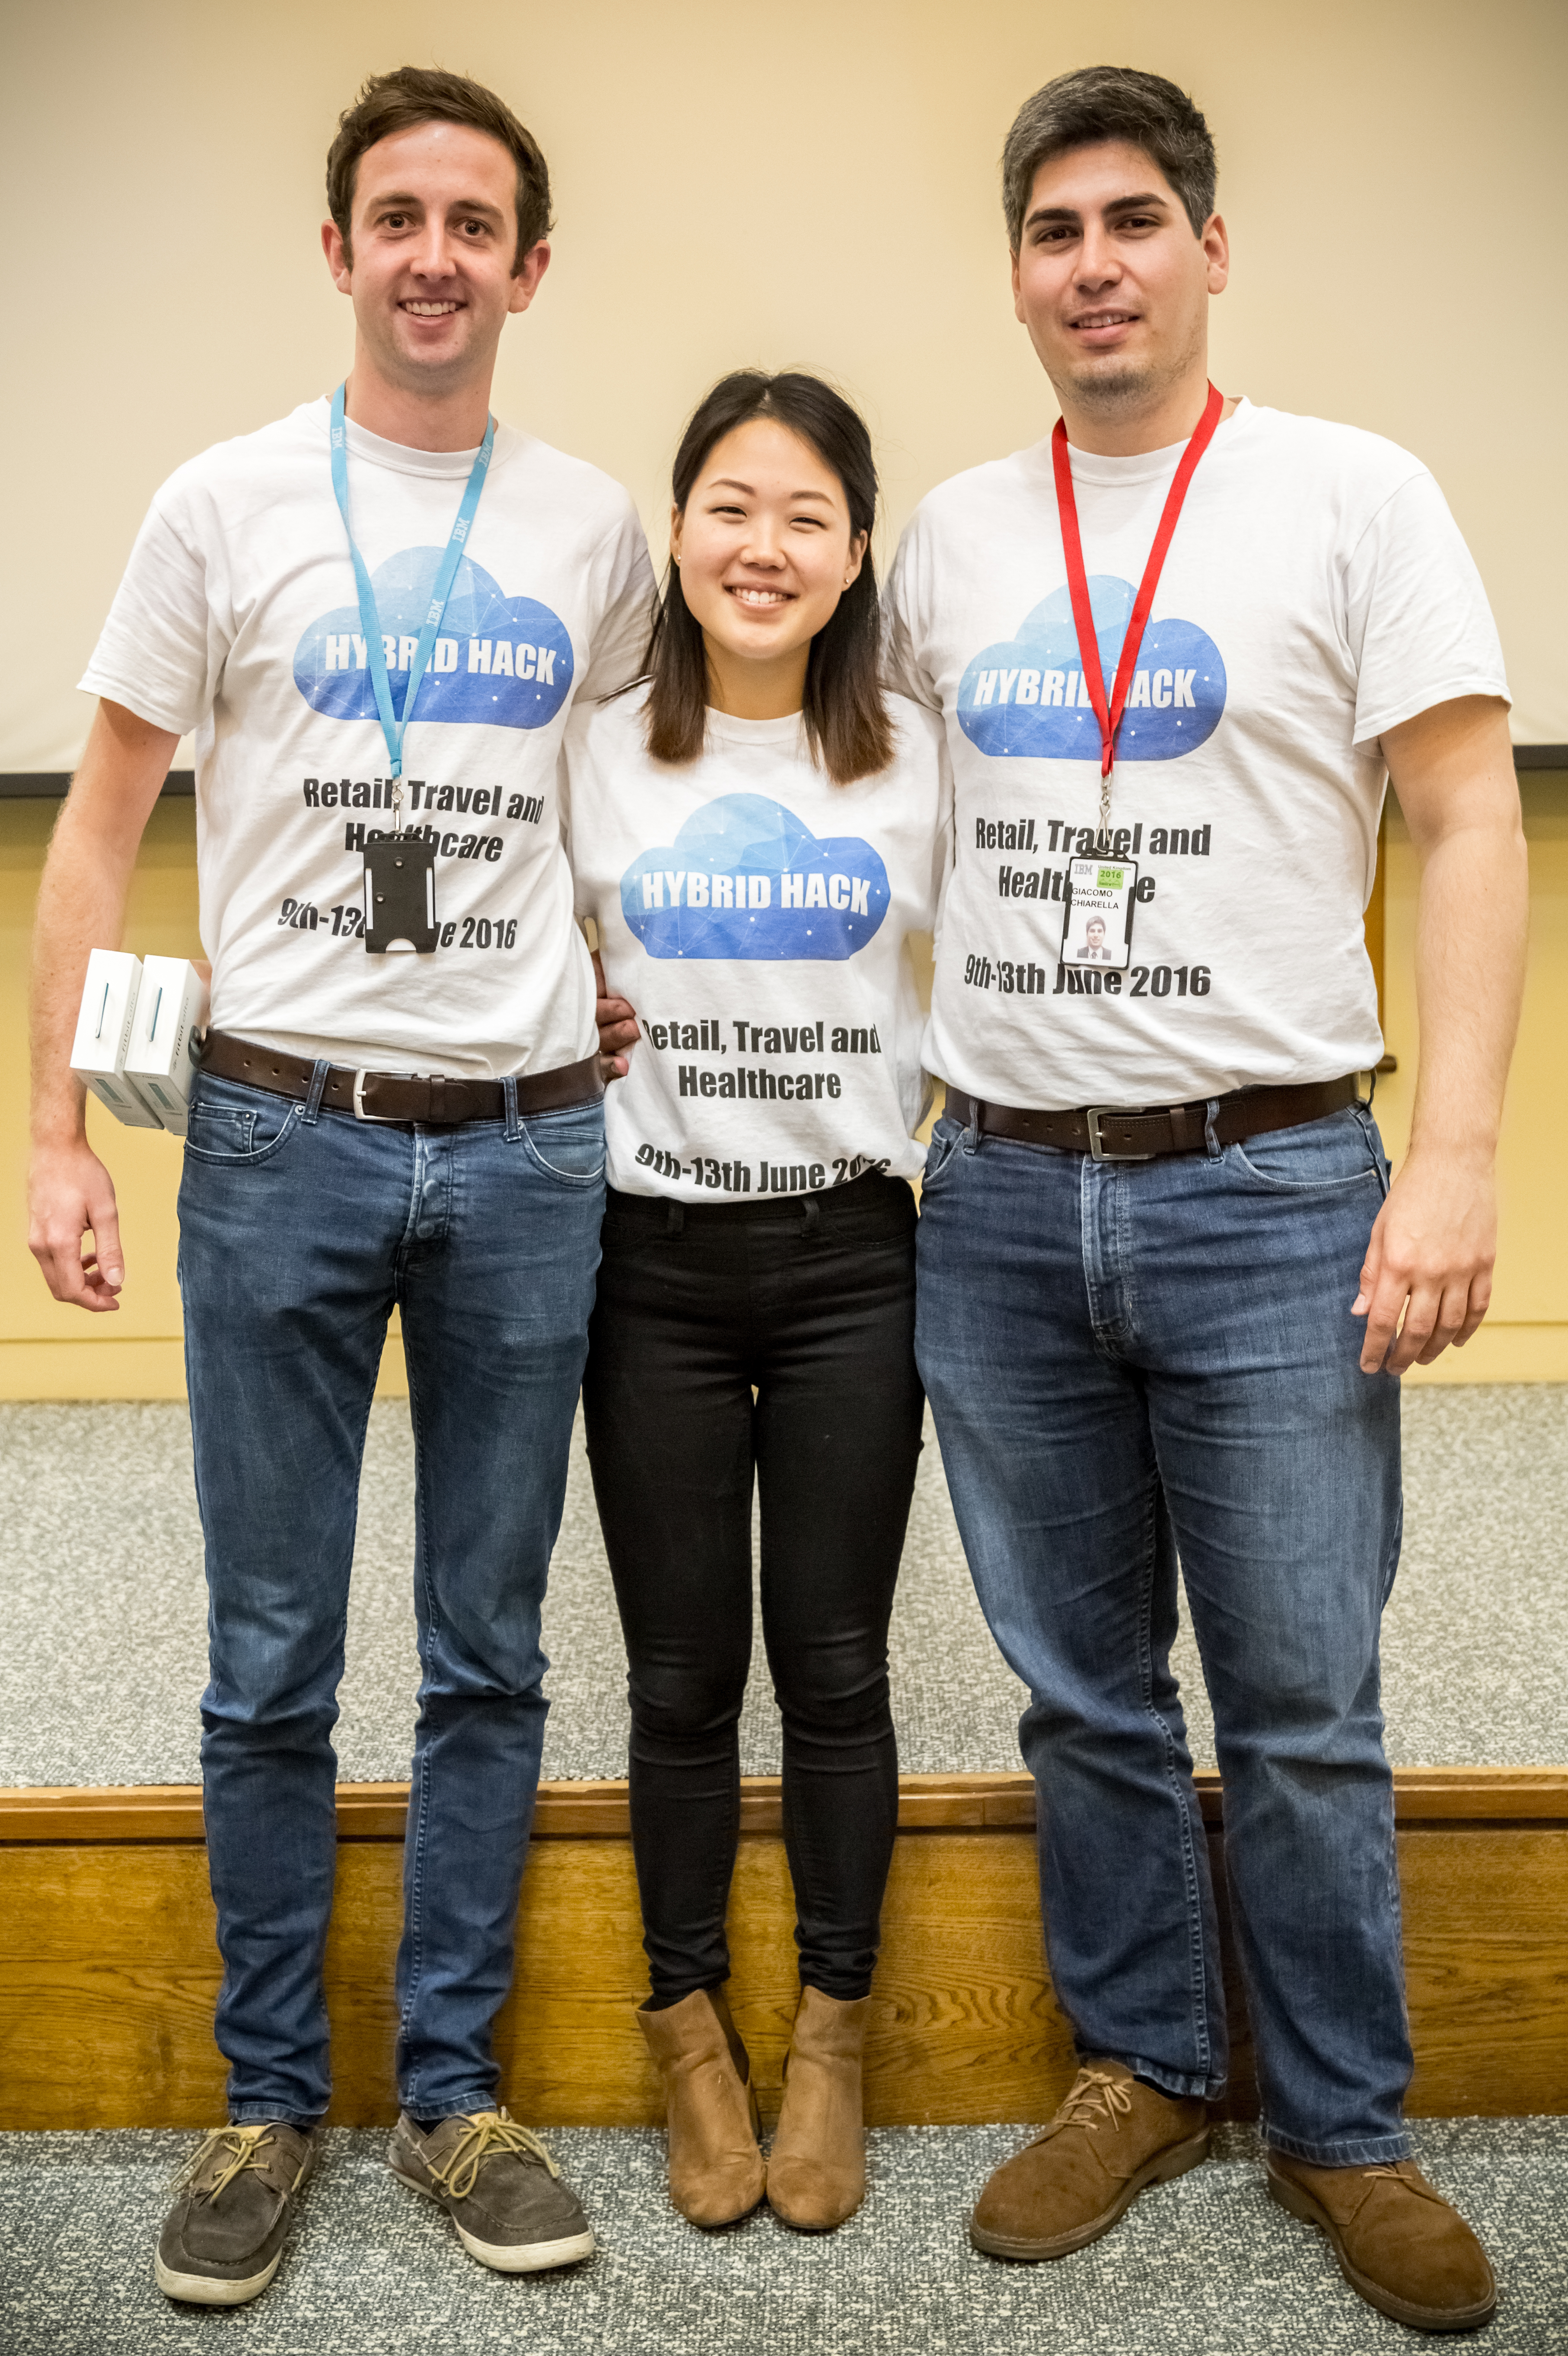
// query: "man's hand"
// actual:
[[82, 907], [70, 1195], [1429, 1260], [1429, 1257], [617, 1022]]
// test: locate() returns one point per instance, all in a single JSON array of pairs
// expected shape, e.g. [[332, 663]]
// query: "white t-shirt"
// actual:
[[1315, 592], [757, 917], [238, 618]]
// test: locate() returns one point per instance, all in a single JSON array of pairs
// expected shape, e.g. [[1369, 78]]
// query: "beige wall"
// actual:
[[813, 182]]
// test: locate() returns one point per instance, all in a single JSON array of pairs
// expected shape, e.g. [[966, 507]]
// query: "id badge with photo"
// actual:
[[400, 895], [1097, 922]]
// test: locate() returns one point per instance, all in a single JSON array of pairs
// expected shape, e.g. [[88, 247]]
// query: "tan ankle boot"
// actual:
[[715, 2167], [817, 2169]]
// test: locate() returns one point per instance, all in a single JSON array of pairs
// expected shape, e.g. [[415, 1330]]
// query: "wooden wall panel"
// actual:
[[1486, 1946], [567, 2040], [109, 1971], [108, 1975]]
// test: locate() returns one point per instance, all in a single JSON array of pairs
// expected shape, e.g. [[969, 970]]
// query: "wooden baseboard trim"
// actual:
[[599, 1810]]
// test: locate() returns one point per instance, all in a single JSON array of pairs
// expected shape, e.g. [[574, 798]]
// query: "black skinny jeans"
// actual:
[[810, 1301]]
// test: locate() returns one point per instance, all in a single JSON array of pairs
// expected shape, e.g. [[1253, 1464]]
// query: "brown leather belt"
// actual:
[[424, 1102], [1140, 1136]]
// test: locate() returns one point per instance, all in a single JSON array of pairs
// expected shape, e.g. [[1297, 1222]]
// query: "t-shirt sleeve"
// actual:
[[621, 638], [1420, 629], [615, 658], [904, 634], [571, 770], [162, 651], [942, 850], [928, 747]]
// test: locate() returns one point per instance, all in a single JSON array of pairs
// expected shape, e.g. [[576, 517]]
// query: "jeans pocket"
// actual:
[[231, 1123], [568, 1146], [944, 1137], [1342, 1149]]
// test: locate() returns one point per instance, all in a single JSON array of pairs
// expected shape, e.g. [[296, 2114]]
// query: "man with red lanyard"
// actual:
[[375, 614], [1165, 1287]]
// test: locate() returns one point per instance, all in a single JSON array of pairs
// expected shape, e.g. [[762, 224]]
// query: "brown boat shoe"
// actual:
[[500, 2188], [1399, 2242], [1112, 2137], [222, 2241]]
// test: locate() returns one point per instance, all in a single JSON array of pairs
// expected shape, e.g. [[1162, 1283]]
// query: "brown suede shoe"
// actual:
[[500, 2188], [1110, 2137], [1398, 2242], [222, 2241]]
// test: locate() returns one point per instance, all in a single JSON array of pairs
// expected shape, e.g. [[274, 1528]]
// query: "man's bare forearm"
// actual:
[[1453, 773], [81, 899], [81, 906], [1427, 1278], [1471, 936]]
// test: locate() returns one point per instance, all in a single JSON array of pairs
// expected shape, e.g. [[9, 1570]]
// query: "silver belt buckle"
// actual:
[[1093, 1115], [379, 1119]]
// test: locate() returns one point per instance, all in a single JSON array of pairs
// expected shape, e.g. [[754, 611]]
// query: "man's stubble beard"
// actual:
[[1122, 390], [1109, 392]]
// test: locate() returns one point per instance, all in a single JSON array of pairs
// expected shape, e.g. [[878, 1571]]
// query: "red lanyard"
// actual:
[[1110, 719]]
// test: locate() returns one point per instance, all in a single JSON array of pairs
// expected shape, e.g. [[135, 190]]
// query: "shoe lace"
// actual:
[[243, 2147], [483, 2138], [1093, 2097]]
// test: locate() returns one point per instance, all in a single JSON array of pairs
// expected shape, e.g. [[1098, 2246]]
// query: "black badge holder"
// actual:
[[1104, 890], [399, 874], [399, 891]]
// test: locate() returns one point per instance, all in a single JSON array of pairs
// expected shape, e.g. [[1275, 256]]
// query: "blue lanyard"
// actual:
[[394, 723]]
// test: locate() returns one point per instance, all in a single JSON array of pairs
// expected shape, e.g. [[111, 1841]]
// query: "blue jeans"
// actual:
[[299, 1229], [1124, 1360]]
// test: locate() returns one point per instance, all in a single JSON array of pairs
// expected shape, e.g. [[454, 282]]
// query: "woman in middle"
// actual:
[[756, 829]]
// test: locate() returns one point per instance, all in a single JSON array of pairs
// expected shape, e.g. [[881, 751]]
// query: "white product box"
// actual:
[[171, 1013], [104, 1034]]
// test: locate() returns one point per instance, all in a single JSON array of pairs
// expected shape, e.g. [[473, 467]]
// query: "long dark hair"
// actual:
[[848, 725]]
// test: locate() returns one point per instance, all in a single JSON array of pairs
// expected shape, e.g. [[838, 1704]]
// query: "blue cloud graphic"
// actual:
[[504, 662], [744, 878], [1027, 696]]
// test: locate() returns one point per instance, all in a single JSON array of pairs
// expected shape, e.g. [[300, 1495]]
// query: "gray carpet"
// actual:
[[1207, 2267], [105, 1633]]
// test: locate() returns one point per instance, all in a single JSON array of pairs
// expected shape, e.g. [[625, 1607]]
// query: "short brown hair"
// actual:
[[395, 101], [1081, 110]]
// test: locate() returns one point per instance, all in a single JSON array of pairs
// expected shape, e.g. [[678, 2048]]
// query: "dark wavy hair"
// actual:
[[396, 101], [1101, 102], [848, 723]]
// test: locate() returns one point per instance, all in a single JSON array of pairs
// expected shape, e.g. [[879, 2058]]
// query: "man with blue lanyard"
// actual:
[[1166, 1285], [375, 615]]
